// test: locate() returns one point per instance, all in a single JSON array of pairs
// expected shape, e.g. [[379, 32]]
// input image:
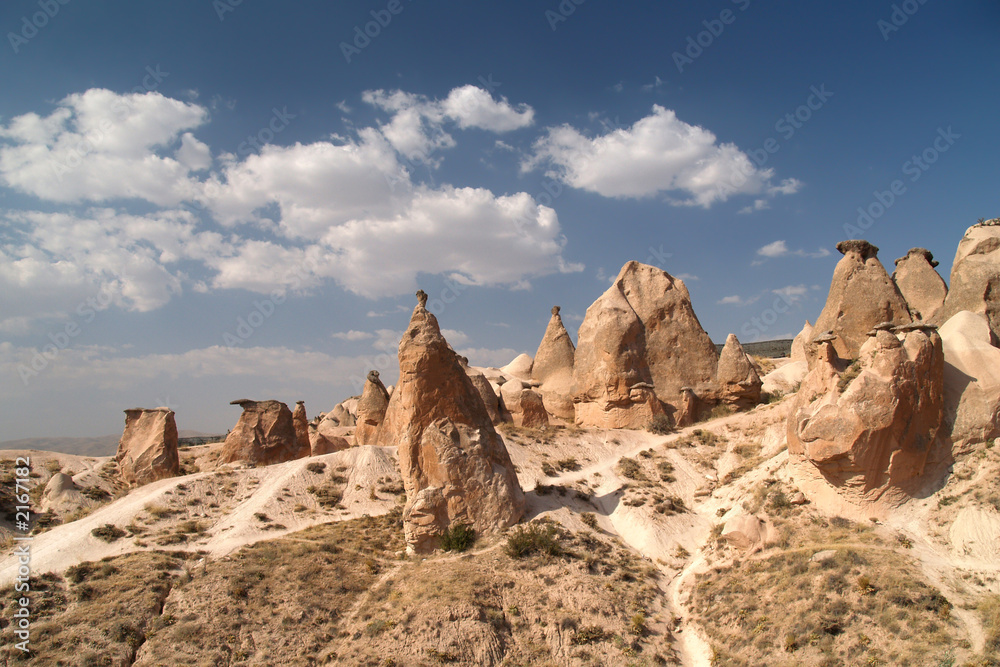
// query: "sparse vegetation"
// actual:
[[459, 537], [630, 468], [317, 467], [533, 538], [849, 375], [108, 532], [660, 425]]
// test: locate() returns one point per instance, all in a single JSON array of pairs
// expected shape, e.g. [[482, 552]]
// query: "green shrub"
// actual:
[[459, 537], [533, 538]]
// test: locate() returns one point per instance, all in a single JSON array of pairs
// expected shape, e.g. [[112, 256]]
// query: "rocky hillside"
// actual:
[[618, 503]]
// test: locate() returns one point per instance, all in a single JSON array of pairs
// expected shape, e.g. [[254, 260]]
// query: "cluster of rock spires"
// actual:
[[884, 392]]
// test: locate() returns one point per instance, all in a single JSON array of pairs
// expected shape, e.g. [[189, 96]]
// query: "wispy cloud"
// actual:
[[352, 335], [780, 249]]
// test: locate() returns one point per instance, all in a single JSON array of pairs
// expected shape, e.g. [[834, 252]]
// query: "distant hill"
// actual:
[[770, 349], [105, 445]]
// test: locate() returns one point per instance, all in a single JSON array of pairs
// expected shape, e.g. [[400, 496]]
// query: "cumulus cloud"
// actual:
[[792, 293], [99, 145], [416, 128], [736, 300], [659, 154]]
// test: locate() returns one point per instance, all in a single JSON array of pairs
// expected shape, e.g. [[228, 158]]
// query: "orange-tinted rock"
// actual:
[[861, 295], [975, 277], [524, 405], [455, 467], [919, 283], [301, 424], [371, 410], [553, 368], [264, 434], [147, 450], [971, 381]]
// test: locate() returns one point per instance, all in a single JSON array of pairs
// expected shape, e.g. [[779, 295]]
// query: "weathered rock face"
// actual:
[[919, 283], [490, 397], [639, 343], [861, 296], [345, 411], [455, 467], [371, 410], [971, 381], [553, 368], [61, 494], [748, 532], [875, 433], [327, 437], [975, 276], [739, 384], [524, 405], [147, 450], [301, 424], [520, 367], [264, 434]]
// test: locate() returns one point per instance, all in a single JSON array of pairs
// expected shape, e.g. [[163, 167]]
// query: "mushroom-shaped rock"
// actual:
[[641, 330], [869, 428], [264, 434], [861, 295], [971, 381], [524, 405], [739, 384], [371, 410], [301, 424], [455, 467], [147, 450], [553, 368], [919, 283], [975, 277]]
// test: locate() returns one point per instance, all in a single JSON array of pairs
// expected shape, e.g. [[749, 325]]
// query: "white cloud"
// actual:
[[657, 83], [758, 205], [658, 154], [416, 128], [99, 145], [455, 337], [352, 335], [727, 300], [780, 249], [687, 277], [387, 340], [792, 293]]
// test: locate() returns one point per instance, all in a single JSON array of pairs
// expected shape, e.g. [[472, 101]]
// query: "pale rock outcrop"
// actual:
[[971, 381], [524, 405], [871, 434], [371, 410], [739, 384], [800, 341], [301, 424], [785, 379], [553, 368], [861, 295], [455, 467], [520, 367], [748, 532], [689, 408], [147, 450], [639, 343], [919, 283], [343, 412], [264, 434], [975, 276], [328, 436], [61, 494]]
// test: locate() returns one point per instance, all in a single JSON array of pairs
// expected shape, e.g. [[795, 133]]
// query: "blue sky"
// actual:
[[202, 201]]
